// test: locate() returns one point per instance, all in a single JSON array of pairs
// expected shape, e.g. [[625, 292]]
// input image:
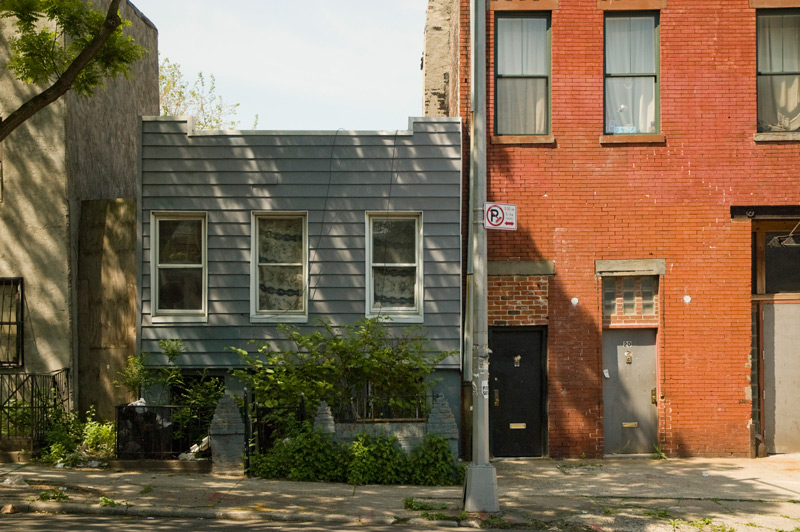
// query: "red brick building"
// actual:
[[652, 149]]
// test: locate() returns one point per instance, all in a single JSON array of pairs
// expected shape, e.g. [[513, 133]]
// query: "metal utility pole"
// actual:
[[480, 489]]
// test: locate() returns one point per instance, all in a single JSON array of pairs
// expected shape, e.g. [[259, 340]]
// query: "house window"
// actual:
[[279, 267], [179, 263], [522, 75], [630, 296], [778, 34], [631, 74], [12, 320], [776, 255], [394, 265]]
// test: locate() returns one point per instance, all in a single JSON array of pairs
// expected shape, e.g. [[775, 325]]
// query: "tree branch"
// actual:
[[65, 81]]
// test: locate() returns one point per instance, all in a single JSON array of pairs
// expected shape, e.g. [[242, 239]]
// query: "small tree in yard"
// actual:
[[337, 364]]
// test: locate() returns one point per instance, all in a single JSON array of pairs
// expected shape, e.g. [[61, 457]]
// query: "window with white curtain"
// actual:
[[522, 86], [778, 81], [631, 74], [394, 265], [279, 266]]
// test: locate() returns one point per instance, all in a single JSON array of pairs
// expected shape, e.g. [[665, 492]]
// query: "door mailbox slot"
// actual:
[[630, 425]]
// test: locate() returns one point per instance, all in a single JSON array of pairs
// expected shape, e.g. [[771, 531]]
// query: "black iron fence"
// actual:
[[159, 432], [27, 404]]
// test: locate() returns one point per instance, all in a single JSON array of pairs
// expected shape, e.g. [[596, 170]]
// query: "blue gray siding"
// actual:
[[336, 177]]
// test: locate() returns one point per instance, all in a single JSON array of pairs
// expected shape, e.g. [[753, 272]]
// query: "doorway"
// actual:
[[518, 391], [630, 416]]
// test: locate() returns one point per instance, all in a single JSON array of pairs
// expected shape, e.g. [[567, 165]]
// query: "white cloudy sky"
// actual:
[[310, 64]]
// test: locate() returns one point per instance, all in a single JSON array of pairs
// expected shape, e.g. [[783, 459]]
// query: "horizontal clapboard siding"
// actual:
[[334, 177]]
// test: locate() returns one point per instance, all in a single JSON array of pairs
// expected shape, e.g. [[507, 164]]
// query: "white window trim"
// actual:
[[276, 316], [176, 316], [400, 315]]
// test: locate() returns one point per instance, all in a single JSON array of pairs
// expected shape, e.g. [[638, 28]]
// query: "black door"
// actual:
[[517, 391]]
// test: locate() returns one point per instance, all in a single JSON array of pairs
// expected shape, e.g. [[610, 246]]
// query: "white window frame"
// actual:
[[276, 316], [176, 315], [397, 314]]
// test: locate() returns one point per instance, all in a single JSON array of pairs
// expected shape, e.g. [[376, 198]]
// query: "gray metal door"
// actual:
[[630, 417], [781, 377]]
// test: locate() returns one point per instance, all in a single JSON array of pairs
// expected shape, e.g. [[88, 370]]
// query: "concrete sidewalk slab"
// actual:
[[612, 494]]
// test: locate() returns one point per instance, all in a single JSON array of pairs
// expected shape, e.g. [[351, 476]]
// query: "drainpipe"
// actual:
[[480, 489]]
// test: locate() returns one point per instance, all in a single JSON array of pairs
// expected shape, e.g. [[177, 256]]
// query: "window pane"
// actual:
[[609, 296], [630, 105], [180, 241], [630, 45], [522, 46], [180, 289], [394, 287], [649, 285], [778, 43], [628, 296], [782, 267], [280, 288], [280, 240], [394, 241], [521, 106], [779, 103]]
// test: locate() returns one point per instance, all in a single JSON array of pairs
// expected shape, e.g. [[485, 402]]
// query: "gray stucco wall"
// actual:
[[336, 177], [72, 150]]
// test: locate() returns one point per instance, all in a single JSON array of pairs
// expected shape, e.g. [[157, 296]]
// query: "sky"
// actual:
[[310, 64]]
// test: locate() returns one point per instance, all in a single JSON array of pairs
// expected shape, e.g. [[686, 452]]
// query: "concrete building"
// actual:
[[74, 151], [648, 295]]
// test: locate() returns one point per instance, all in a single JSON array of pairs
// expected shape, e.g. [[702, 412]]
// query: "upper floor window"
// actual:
[[394, 265], [631, 74], [522, 75], [179, 264], [279, 267], [778, 33]]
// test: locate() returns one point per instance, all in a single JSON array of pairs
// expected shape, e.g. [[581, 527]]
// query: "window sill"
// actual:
[[278, 318], [778, 136], [399, 318], [547, 140], [169, 318], [785, 296], [633, 139]]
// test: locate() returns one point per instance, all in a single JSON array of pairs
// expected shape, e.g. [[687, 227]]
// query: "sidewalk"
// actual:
[[613, 494]]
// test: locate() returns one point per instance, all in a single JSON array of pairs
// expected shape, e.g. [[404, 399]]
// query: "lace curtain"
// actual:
[[280, 264]]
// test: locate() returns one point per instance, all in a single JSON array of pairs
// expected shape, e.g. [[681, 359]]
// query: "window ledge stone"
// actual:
[[633, 139], [778, 136], [546, 140]]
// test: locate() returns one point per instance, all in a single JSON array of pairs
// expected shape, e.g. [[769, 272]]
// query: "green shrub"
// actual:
[[377, 460], [433, 463], [304, 455], [72, 442]]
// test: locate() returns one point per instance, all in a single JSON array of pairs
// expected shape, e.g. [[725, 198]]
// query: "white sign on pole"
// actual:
[[500, 216]]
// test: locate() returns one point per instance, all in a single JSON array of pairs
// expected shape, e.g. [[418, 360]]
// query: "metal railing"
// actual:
[[28, 402], [12, 321]]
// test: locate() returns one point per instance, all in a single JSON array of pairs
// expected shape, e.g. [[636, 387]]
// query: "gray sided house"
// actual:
[[241, 231]]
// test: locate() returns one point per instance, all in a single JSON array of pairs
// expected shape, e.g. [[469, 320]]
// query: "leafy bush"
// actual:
[[433, 463], [336, 365], [72, 441], [377, 460], [307, 455]]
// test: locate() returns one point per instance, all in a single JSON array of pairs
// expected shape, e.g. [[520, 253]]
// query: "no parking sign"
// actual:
[[500, 216]]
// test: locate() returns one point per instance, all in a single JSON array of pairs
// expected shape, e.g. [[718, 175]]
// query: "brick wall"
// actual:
[[580, 201], [517, 300]]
